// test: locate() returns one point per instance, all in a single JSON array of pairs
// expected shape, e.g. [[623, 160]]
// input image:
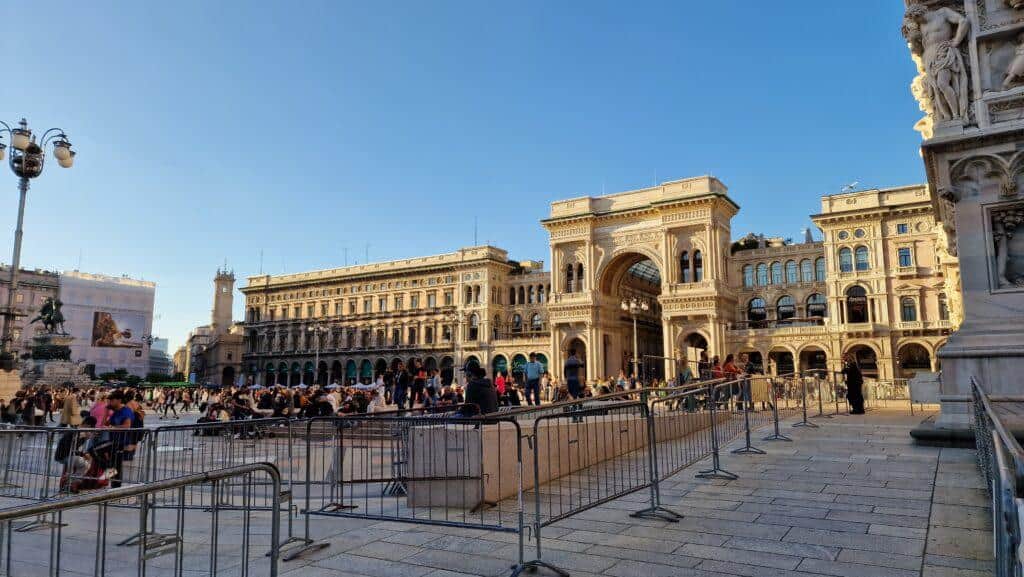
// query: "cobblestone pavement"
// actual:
[[854, 498]]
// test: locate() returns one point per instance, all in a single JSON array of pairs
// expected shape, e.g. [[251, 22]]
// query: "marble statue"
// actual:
[[1004, 225], [935, 35], [1015, 73]]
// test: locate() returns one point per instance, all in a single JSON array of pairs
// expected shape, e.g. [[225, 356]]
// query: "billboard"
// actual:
[[122, 330]]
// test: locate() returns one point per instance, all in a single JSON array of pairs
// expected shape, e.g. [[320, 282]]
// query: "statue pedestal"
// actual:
[[51, 365]]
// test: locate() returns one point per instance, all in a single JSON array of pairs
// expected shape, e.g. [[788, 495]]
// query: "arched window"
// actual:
[[776, 273], [748, 276], [511, 295], [684, 267], [756, 311], [698, 266], [522, 295], [861, 258], [540, 293], [536, 323], [845, 260], [785, 308], [570, 272], [806, 270], [792, 275], [856, 305], [579, 277], [762, 274], [469, 295], [517, 323], [816, 306], [531, 294], [474, 327], [943, 307], [908, 310], [819, 269], [476, 294]]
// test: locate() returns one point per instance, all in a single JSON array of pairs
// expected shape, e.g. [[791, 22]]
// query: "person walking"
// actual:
[[402, 383], [854, 384], [571, 372], [533, 370], [70, 414]]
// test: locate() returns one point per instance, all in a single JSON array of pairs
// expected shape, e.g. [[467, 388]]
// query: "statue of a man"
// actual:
[[936, 35]]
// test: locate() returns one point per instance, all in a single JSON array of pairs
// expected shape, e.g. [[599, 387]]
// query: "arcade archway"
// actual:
[[630, 286]]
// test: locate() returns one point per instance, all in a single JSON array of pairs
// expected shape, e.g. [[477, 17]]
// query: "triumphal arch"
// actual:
[[664, 247]]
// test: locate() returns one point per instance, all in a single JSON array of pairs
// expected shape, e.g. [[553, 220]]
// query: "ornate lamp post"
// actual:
[[317, 330], [26, 161], [634, 306]]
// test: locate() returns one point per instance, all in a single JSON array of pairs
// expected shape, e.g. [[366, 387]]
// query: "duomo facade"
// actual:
[[880, 285]]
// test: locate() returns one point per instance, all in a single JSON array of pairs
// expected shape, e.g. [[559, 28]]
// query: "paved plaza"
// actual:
[[853, 498]]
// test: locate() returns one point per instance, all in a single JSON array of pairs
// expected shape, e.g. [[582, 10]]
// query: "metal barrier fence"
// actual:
[[515, 471], [1001, 461], [67, 548]]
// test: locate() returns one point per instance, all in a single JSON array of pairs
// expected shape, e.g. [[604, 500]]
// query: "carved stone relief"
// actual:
[[936, 37], [1009, 247]]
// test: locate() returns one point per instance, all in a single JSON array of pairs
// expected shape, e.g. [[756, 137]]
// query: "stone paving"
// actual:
[[854, 498]]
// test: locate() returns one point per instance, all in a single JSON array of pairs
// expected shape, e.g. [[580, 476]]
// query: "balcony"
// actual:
[[793, 326]]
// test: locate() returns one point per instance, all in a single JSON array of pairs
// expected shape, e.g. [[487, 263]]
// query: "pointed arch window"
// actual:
[[511, 295], [684, 267], [698, 266], [536, 323], [517, 323], [579, 277]]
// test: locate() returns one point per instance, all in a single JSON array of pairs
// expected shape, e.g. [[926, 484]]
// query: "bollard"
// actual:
[[803, 401], [777, 435], [746, 399], [716, 471]]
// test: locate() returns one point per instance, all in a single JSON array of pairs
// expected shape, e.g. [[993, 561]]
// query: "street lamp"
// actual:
[[634, 306], [317, 330], [26, 161]]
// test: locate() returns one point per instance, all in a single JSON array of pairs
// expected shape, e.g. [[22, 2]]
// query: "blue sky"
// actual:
[[212, 130]]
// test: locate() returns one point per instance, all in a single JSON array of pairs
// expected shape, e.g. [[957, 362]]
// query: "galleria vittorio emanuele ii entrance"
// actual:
[[657, 254]]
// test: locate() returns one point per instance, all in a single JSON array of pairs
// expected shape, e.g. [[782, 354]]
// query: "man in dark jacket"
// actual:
[[402, 382], [479, 393], [854, 385]]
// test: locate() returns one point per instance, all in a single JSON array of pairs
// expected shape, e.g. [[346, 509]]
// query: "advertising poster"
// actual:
[[117, 330]]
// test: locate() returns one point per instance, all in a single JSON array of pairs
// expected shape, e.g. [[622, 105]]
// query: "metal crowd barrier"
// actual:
[[1001, 461], [79, 519]]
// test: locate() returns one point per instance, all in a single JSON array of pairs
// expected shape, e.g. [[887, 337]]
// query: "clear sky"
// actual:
[[208, 130]]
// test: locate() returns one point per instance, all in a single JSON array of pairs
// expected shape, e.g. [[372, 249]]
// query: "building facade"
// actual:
[[213, 353], [879, 285], [34, 287], [347, 324], [110, 318], [159, 361]]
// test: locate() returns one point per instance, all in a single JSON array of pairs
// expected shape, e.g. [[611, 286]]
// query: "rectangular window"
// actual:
[[367, 305], [432, 300], [905, 257], [310, 311], [414, 301], [382, 304], [399, 302], [352, 306], [902, 228], [298, 312], [337, 308], [449, 298], [323, 309]]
